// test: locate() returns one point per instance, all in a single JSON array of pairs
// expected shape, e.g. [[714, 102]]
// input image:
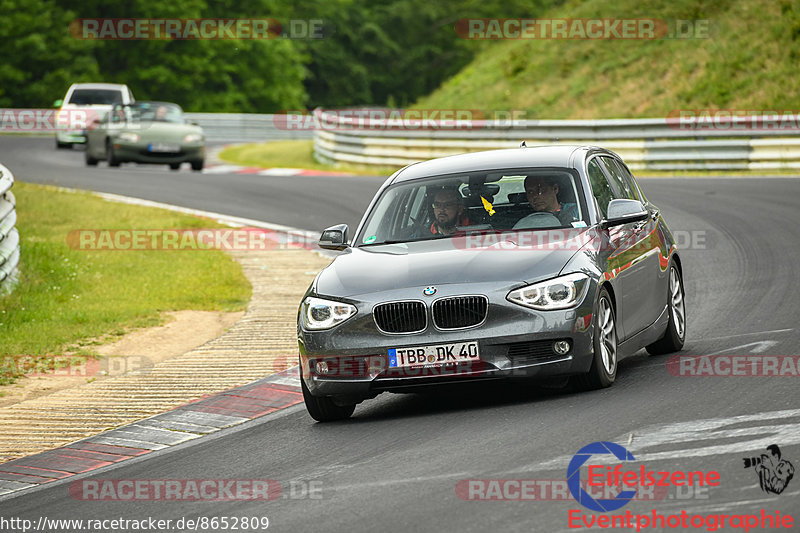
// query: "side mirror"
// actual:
[[624, 212], [334, 238], [58, 103]]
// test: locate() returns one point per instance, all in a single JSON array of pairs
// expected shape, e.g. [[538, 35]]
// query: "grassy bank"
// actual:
[[67, 296], [748, 61], [291, 154]]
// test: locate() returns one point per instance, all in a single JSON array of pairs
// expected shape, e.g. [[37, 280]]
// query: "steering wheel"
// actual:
[[540, 219]]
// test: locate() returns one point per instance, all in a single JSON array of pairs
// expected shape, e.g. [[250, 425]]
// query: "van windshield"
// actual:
[[95, 97]]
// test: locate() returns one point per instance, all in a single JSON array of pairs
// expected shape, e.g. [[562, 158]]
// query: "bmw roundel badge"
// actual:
[[429, 291]]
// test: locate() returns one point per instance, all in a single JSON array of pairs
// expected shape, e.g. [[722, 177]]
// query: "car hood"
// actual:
[[437, 262], [166, 128]]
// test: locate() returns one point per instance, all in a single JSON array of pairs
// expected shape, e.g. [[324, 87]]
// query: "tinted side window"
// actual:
[[623, 183], [628, 176], [600, 187]]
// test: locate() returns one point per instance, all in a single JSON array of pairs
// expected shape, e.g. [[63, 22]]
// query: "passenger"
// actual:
[[542, 193], [448, 212]]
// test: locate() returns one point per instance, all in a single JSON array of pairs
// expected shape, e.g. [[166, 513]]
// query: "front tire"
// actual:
[[90, 161], [604, 362], [197, 166], [63, 146], [323, 409], [674, 337], [112, 157], [174, 166]]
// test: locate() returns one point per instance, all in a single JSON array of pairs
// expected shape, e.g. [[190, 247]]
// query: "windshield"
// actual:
[[95, 97], [156, 112], [440, 207]]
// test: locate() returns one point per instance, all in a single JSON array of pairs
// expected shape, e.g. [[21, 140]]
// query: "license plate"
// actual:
[[163, 147], [434, 355]]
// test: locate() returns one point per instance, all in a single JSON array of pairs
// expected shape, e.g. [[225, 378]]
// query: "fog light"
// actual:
[[561, 347], [321, 367]]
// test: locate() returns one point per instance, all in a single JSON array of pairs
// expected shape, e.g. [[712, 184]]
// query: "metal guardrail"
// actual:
[[246, 127], [9, 236], [652, 144]]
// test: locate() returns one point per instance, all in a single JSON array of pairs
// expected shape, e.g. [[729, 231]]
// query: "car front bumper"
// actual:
[[514, 342], [71, 136], [139, 153]]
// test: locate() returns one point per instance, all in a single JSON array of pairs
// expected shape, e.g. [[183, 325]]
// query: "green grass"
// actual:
[[67, 296], [748, 62], [291, 154]]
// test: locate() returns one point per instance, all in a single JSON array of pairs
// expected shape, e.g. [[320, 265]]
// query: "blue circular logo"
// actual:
[[429, 291], [574, 477]]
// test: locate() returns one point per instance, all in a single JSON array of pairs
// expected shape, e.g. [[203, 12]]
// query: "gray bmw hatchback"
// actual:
[[535, 262]]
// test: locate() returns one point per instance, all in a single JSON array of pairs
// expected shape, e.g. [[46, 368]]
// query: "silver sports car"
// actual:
[[535, 262], [145, 132]]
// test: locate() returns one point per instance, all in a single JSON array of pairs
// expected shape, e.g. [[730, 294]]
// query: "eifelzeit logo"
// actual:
[[774, 473]]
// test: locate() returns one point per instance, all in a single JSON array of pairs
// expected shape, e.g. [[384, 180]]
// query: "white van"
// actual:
[[83, 102]]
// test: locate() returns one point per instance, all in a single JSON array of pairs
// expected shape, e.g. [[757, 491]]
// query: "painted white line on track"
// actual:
[[746, 334], [690, 439]]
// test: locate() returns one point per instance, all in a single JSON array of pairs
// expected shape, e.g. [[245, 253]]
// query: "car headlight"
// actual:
[[558, 293], [128, 136], [324, 314], [193, 138]]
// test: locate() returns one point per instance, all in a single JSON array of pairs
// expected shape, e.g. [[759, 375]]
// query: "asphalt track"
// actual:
[[396, 464]]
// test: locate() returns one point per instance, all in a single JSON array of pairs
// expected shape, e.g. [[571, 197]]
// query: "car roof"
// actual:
[[97, 86], [153, 103], [555, 155]]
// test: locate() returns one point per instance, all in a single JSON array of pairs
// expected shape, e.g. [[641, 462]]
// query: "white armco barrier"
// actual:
[[710, 141], [9, 237]]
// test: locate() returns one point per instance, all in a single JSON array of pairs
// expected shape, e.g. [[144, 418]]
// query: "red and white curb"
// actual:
[[185, 423], [188, 422], [281, 235], [276, 171]]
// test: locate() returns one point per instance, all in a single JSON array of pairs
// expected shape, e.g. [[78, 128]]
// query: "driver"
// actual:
[[448, 212], [542, 193], [161, 114]]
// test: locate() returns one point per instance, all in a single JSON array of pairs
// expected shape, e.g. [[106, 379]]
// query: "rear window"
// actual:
[[95, 97]]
